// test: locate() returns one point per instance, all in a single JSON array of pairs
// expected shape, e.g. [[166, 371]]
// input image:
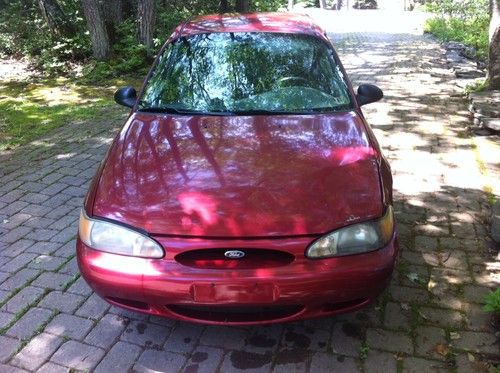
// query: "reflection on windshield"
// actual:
[[246, 72]]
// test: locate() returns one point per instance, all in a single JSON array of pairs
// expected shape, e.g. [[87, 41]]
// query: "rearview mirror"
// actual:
[[368, 93], [126, 96]]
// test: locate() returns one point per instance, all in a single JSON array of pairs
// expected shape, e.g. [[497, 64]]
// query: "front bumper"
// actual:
[[302, 289]]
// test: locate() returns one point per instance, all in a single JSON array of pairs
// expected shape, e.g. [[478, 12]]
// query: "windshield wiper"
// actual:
[[268, 112], [168, 110]]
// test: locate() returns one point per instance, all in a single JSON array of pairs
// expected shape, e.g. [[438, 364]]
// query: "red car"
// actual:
[[246, 186]]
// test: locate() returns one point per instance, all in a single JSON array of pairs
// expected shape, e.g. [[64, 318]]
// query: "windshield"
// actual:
[[244, 73]]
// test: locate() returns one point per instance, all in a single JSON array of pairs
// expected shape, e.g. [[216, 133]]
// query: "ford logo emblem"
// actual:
[[234, 254]]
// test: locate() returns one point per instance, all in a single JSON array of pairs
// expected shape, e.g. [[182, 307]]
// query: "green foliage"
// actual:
[[492, 302], [29, 110], [462, 9], [477, 86], [23, 32], [472, 32], [58, 54]]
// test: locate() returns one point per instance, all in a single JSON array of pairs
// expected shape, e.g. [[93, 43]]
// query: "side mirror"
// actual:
[[368, 93], [126, 96]]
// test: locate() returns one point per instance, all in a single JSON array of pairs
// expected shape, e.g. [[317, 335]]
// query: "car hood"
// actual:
[[240, 176]]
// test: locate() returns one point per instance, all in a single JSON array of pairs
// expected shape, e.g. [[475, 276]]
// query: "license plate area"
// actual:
[[234, 293]]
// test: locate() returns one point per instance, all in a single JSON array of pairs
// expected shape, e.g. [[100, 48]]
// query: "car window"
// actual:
[[247, 72]]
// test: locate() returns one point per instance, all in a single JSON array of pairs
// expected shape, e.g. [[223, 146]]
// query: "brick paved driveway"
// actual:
[[430, 319]]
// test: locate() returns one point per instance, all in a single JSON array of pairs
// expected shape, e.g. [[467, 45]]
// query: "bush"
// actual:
[[464, 21], [493, 302], [472, 32]]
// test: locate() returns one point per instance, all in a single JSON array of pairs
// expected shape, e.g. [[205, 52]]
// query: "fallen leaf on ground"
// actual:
[[442, 349], [454, 335]]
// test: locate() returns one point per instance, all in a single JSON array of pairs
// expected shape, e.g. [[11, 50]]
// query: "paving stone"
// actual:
[[477, 342], [18, 262], [323, 362], [24, 298], [389, 341], [27, 325], [53, 368], [42, 247], [428, 341], [154, 360], [477, 319], [224, 337], [408, 295], [19, 279], [37, 351], [347, 338], [454, 243], [67, 250], [183, 338], [285, 360], [51, 280], [54, 189], [13, 208], [381, 361], [205, 359], [65, 235], [453, 259], [42, 234], [265, 338], [77, 355], [107, 330], [80, 287], [94, 307], [6, 318], [33, 209], [10, 369], [65, 325], [64, 302], [450, 276], [4, 294], [419, 365], [8, 347], [120, 358], [425, 243], [71, 267], [47, 262], [474, 293], [163, 321], [145, 334], [15, 220], [465, 365], [442, 317], [395, 317], [252, 362]]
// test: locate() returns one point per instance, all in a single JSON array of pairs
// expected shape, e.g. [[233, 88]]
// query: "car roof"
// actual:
[[292, 23]]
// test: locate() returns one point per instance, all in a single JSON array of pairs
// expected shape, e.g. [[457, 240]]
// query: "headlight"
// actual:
[[354, 239], [113, 238]]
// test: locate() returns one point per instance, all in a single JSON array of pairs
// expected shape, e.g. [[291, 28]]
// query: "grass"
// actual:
[[30, 109], [471, 32]]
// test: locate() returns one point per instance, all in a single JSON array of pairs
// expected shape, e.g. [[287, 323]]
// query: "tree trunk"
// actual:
[[146, 21], [322, 4], [97, 27], [55, 17], [113, 15], [494, 55], [290, 4], [224, 6], [242, 6], [114, 11]]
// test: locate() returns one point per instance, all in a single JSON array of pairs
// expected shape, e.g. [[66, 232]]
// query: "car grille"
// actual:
[[235, 313], [215, 259]]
